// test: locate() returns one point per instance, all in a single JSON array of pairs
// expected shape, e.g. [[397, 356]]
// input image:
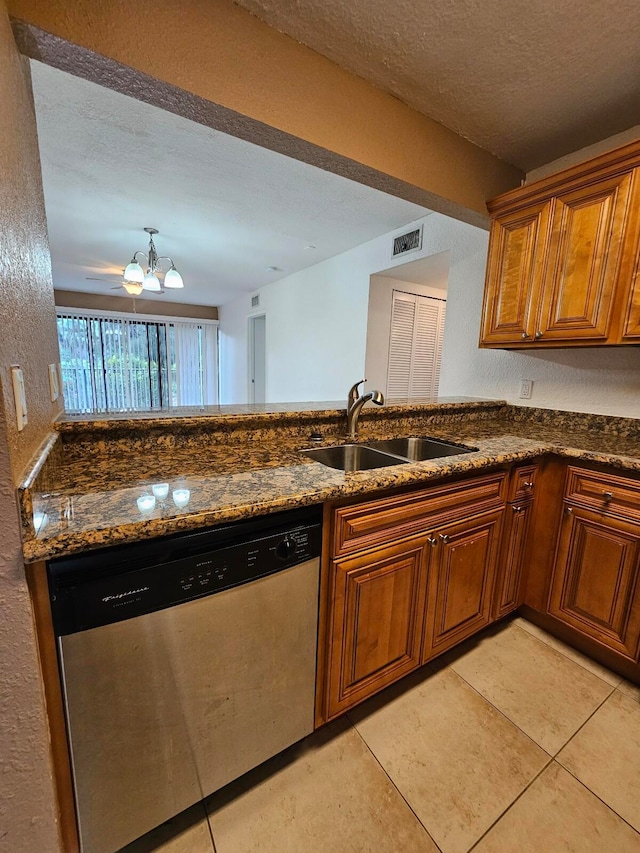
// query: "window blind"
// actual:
[[112, 363]]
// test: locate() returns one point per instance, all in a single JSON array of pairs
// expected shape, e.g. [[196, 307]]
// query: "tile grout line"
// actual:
[[563, 653], [502, 713], [381, 766], [553, 755], [511, 804], [598, 797], [577, 778], [582, 725], [210, 828], [552, 760]]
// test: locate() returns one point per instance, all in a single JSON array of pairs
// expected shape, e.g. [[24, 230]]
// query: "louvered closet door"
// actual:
[[415, 345]]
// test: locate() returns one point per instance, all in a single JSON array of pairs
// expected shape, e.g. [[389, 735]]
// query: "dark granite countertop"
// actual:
[[83, 491]]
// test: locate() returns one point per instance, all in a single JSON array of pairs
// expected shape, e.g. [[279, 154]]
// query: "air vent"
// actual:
[[255, 301], [409, 242]]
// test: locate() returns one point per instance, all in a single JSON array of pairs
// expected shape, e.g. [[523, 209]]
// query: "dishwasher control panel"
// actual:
[[89, 602]]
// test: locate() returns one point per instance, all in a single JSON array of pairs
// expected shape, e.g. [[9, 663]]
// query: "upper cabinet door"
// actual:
[[517, 248], [588, 227], [629, 278], [632, 320]]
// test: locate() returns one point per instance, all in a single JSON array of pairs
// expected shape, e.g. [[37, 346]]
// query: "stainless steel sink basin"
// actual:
[[418, 449], [352, 457]]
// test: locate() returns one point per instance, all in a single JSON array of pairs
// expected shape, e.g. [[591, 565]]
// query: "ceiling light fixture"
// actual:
[[135, 277]]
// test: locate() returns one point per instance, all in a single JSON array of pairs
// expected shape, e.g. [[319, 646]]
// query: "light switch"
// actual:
[[54, 387], [17, 378]]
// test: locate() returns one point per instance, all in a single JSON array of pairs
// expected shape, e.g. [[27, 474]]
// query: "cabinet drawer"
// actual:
[[368, 524], [604, 492], [523, 482]]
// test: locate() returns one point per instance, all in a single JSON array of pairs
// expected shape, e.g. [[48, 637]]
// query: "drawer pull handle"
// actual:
[[527, 485], [518, 508], [607, 497], [444, 537], [432, 541]]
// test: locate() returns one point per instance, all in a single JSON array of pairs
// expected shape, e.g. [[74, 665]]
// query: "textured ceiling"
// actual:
[[528, 81], [226, 209]]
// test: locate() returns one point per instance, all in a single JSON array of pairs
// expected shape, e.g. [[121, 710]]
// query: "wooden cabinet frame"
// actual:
[[595, 585], [383, 579], [459, 598], [377, 614], [520, 554]]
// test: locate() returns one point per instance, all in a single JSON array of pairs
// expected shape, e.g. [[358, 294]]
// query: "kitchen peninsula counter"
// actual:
[[241, 461]]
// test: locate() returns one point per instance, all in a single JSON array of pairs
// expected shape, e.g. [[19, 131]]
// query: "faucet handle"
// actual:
[[353, 395]]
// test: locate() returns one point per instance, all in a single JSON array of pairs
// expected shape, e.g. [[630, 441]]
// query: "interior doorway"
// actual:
[[405, 327], [257, 358]]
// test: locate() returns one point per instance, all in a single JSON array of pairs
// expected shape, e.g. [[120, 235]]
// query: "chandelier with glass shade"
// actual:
[[139, 277]]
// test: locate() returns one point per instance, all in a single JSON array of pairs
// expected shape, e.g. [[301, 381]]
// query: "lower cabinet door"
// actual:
[[461, 578], [595, 587], [375, 623], [509, 575]]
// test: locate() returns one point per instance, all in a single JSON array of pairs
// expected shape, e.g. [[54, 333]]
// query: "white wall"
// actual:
[[379, 317], [316, 336], [316, 326], [234, 349]]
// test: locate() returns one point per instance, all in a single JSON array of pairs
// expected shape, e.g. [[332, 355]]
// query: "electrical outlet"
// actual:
[[54, 386], [526, 389]]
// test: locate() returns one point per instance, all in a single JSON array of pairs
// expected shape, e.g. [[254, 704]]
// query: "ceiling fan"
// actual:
[[135, 281], [132, 288]]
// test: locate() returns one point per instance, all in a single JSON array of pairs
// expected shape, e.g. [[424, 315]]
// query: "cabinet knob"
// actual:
[[569, 510], [444, 538], [538, 335], [527, 485], [607, 497], [432, 541], [525, 336], [518, 508]]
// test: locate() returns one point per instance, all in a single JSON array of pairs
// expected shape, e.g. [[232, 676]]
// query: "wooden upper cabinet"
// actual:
[[631, 327], [588, 226], [514, 274], [564, 258]]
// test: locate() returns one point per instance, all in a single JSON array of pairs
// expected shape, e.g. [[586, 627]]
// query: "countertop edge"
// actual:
[[359, 483], [354, 485]]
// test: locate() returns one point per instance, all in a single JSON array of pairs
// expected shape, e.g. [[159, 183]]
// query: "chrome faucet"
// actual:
[[355, 403]]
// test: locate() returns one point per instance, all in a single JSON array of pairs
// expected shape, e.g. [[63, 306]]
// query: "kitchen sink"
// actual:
[[418, 449], [379, 454], [352, 457]]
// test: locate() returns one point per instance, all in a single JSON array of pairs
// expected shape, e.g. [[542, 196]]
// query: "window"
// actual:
[[114, 363]]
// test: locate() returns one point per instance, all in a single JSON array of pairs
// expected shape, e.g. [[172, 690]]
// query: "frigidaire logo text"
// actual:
[[125, 594]]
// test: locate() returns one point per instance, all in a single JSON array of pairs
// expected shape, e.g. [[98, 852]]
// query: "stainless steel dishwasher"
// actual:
[[185, 662]]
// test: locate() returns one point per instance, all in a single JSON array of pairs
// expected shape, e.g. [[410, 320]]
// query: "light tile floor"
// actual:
[[514, 743]]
